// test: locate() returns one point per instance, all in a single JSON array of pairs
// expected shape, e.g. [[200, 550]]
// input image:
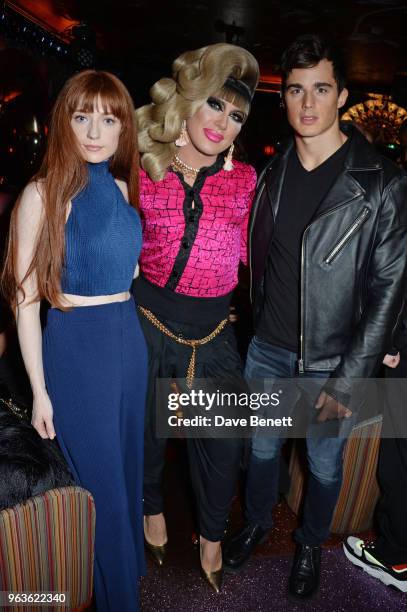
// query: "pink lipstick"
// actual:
[[213, 136]]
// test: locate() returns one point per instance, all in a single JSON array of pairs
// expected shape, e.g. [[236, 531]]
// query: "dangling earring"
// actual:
[[228, 165], [182, 139]]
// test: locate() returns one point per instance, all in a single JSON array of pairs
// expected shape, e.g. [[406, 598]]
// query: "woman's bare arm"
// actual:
[[29, 216]]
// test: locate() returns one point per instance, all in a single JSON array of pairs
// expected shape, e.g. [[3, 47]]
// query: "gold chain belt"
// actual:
[[192, 343]]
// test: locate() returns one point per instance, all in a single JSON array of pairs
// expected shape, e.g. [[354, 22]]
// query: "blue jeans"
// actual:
[[324, 454]]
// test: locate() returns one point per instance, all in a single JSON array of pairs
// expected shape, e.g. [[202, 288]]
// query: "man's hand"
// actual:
[[330, 408], [391, 361]]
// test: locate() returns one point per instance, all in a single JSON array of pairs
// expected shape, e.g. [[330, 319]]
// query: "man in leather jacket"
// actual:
[[328, 254]]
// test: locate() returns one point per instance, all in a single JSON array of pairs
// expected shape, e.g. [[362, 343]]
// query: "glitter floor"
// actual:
[[262, 588], [262, 585]]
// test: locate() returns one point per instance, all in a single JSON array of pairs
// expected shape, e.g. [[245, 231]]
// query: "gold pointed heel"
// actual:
[[157, 552], [214, 579]]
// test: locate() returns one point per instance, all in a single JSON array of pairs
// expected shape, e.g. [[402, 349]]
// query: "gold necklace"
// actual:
[[182, 167]]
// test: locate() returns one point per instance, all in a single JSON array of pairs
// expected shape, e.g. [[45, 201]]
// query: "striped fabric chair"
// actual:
[[360, 491], [46, 544]]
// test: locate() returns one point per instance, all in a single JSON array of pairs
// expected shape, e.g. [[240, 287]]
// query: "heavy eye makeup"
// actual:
[[215, 103], [238, 116], [219, 105]]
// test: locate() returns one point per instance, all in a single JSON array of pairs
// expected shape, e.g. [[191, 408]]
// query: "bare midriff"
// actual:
[[94, 300]]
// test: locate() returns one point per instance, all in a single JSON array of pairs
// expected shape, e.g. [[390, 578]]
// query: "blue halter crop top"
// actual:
[[102, 238]]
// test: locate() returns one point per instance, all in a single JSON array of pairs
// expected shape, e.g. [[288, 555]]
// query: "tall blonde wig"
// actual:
[[196, 75]]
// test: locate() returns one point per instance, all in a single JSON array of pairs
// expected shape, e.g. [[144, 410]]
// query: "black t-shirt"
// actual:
[[301, 195]]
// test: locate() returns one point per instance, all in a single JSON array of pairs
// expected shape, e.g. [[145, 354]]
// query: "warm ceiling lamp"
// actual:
[[44, 14], [11, 95], [379, 116]]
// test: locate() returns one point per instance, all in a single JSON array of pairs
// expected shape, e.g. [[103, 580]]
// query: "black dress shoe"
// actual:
[[238, 550], [304, 578]]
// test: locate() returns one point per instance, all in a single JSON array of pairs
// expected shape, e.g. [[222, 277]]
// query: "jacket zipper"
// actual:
[[347, 235], [301, 359], [301, 368]]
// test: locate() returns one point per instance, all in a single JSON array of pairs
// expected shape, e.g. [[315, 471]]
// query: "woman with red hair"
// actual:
[[74, 242]]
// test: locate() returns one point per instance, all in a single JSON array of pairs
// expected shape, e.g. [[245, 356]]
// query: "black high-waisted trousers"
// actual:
[[214, 463]]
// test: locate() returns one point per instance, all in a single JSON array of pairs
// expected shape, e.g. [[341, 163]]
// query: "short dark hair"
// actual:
[[306, 52]]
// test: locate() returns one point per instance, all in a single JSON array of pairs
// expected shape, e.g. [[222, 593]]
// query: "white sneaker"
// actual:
[[364, 555]]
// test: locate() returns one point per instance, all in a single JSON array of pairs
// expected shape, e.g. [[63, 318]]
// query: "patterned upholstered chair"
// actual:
[[46, 544], [360, 491]]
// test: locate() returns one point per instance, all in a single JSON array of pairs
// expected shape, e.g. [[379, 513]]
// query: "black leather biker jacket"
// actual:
[[353, 260]]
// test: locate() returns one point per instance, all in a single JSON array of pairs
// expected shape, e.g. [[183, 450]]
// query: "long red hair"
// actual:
[[63, 174]]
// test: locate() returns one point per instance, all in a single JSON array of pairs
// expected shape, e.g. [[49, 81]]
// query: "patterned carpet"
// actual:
[[262, 584]]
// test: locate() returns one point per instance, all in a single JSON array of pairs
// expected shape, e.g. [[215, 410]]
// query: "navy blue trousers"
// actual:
[[95, 363]]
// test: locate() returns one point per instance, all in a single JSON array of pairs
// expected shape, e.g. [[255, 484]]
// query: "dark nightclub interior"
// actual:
[[42, 44]]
